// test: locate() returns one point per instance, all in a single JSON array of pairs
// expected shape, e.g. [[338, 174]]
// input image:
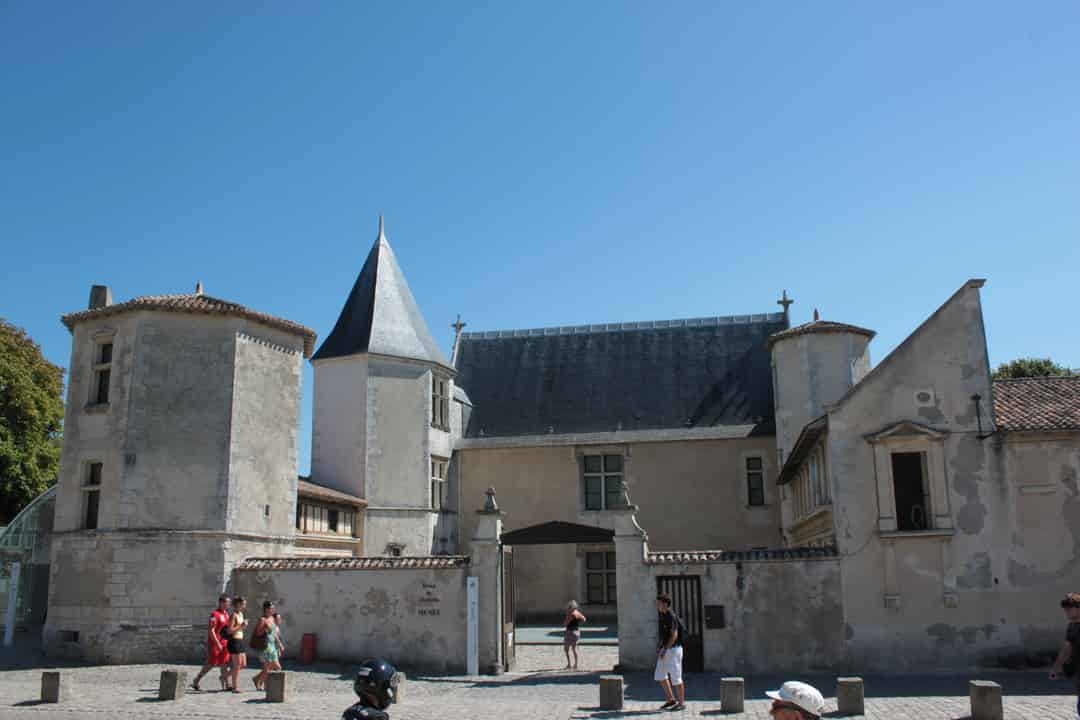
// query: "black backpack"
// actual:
[[680, 627]]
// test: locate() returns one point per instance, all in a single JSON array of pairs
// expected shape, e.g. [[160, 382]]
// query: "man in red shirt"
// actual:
[[217, 654]]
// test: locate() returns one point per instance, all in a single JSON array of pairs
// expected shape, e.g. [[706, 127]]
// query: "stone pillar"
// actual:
[[55, 687], [732, 694], [611, 692], [486, 566], [278, 687], [849, 696], [985, 700], [172, 684], [636, 588]]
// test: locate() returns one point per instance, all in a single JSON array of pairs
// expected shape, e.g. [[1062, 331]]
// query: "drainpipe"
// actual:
[[978, 417]]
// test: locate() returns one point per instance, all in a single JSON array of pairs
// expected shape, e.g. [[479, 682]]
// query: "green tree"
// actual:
[[1030, 367], [31, 418]]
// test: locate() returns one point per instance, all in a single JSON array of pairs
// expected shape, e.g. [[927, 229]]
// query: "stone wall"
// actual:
[[411, 616], [782, 614]]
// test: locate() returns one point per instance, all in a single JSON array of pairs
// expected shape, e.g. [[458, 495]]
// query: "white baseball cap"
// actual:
[[797, 693]]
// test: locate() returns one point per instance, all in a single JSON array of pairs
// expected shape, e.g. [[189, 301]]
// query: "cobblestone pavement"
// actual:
[[539, 689]]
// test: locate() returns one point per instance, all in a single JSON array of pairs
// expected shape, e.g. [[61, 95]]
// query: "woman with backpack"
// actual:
[[267, 641], [572, 632]]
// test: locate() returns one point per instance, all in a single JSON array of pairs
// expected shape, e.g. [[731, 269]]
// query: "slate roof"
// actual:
[[380, 315], [694, 557], [697, 373], [1046, 404], [437, 562], [820, 326], [558, 533], [305, 487], [195, 303]]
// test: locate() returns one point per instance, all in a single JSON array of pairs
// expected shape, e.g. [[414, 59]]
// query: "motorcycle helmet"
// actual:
[[375, 679]]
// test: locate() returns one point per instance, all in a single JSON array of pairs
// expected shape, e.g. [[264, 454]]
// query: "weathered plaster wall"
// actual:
[[339, 432], [691, 494], [265, 424], [780, 615], [984, 589], [416, 619]]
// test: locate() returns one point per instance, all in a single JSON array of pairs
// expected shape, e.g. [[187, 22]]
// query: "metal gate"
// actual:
[[509, 610], [685, 593]]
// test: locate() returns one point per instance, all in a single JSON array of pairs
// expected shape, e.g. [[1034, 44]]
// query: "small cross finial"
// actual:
[[458, 325], [817, 315], [785, 302], [198, 288]]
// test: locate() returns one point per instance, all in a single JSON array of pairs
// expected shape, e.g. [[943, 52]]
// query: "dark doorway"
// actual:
[[909, 487], [685, 593]]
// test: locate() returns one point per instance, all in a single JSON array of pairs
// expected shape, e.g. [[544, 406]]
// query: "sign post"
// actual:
[[472, 633]]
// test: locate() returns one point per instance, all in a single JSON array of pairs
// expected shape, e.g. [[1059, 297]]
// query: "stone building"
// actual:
[[935, 509], [181, 442]]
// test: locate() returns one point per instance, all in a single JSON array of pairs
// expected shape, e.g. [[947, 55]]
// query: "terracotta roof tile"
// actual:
[[355, 563], [697, 557], [819, 326], [196, 303], [306, 488], [1047, 404]]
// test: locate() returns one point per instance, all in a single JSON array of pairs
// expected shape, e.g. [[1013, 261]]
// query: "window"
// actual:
[[440, 402], [102, 374], [755, 481], [313, 519], [394, 550], [600, 578], [909, 485], [91, 495], [438, 483], [603, 476]]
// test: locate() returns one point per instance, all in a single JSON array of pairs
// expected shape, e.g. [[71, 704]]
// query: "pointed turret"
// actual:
[[381, 316]]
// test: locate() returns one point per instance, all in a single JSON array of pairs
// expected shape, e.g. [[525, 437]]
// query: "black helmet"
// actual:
[[375, 679]]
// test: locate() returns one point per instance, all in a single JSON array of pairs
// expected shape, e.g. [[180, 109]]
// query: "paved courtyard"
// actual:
[[540, 689]]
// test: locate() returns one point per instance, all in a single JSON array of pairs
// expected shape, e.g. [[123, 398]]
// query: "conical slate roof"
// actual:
[[381, 315]]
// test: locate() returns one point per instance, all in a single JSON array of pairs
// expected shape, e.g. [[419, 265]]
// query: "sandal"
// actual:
[[195, 686]]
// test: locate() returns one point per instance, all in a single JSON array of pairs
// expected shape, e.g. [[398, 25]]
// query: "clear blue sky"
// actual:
[[548, 164]]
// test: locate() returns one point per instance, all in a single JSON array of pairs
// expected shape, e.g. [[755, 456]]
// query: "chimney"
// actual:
[[100, 296]]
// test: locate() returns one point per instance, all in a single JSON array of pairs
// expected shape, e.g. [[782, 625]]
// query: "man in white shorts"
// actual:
[[669, 656]]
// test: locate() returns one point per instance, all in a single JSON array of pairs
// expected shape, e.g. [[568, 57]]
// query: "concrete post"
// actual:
[[985, 700], [849, 696], [278, 687], [636, 588], [55, 687], [611, 692], [732, 694], [172, 684], [487, 569]]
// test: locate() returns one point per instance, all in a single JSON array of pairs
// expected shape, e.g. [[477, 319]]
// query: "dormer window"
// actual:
[[440, 402], [910, 467]]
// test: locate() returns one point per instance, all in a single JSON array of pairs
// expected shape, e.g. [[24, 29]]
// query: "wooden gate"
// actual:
[[685, 593], [508, 609]]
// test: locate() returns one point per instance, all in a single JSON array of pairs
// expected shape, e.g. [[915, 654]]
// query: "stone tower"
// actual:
[[181, 443], [814, 365], [381, 423]]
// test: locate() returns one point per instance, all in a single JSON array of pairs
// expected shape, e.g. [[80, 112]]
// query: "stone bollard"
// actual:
[[611, 692], [55, 686], [398, 683], [850, 699], [172, 684], [732, 694], [278, 687], [985, 700]]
